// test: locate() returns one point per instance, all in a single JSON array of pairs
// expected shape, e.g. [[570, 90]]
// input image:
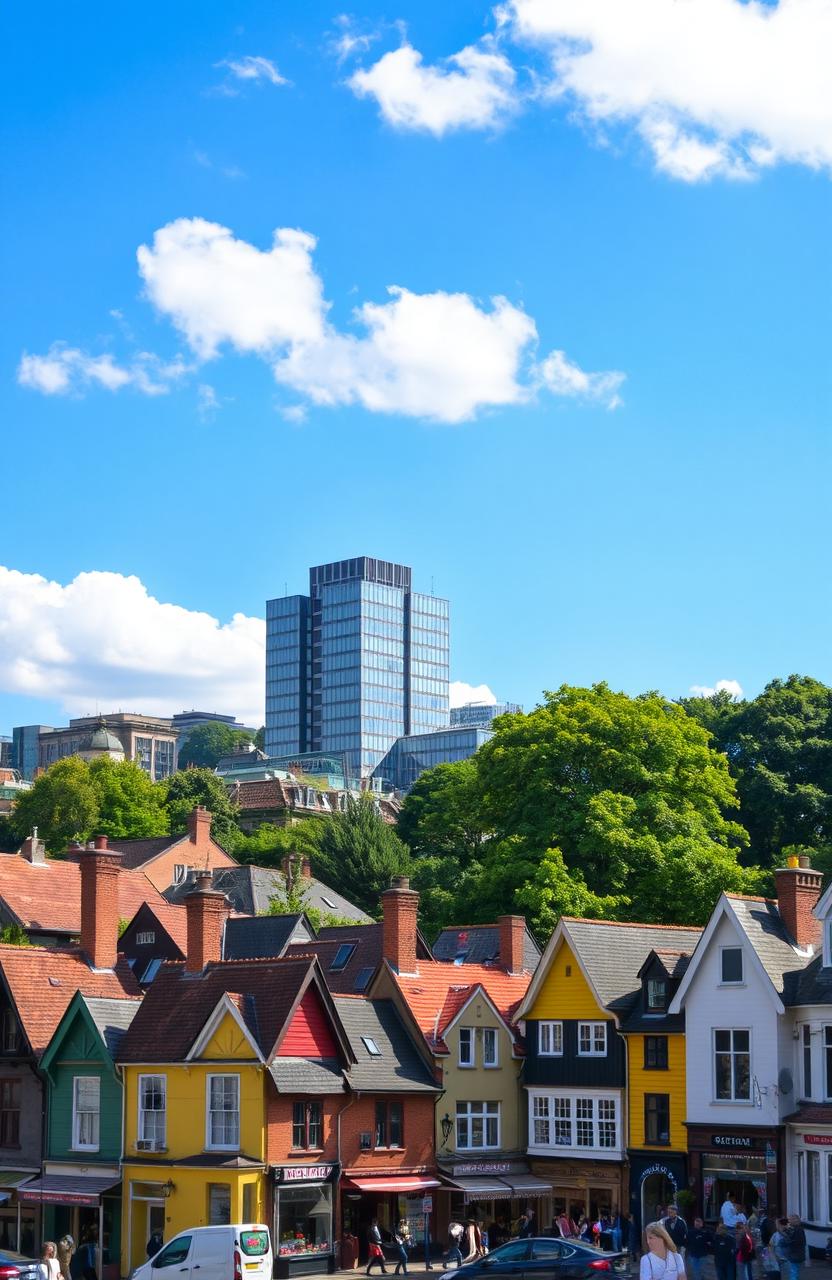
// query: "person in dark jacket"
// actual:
[[795, 1246], [725, 1253], [676, 1227], [700, 1242], [768, 1226], [154, 1244], [526, 1228]]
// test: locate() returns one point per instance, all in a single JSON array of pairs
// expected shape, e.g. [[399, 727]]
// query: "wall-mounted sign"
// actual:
[[818, 1139], [738, 1141], [485, 1166], [306, 1172], [659, 1168]]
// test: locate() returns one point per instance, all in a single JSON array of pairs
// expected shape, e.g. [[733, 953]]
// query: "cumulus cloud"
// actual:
[[714, 87], [254, 68], [102, 639], [65, 370], [462, 693], [444, 356], [473, 89], [722, 686]]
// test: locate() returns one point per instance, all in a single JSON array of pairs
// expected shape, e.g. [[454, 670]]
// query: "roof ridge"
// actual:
[[751, 897], [631, 924]]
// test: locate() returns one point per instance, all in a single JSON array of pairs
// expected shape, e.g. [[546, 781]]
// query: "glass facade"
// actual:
[[410, 755], [482, 713], [356, 664]]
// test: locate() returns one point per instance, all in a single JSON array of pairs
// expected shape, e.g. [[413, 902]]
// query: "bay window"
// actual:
[[585, 1121]]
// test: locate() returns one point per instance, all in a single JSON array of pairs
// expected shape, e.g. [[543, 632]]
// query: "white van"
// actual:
[[241, 1252]]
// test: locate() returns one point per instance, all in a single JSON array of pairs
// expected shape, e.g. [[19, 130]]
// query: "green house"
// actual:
[[80, 1185]]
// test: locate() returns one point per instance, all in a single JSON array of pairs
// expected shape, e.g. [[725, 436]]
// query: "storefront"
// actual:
[[746, 1164], [19, 1223], [388, 1199], [84, 1206], [494, 1192], [304, 1220], [810, 1176], [582, 1187], [654, 1182]]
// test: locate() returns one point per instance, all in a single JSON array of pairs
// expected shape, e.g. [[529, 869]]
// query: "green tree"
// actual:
[[62, 803], [441, 814], [269, 844], [358, 853], [130, 806], [630, 794], [260, 738], [206, 744], [192, 787]]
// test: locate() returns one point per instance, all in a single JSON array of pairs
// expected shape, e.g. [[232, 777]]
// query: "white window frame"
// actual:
[[469, 1115], [143, 1136], [220, 1146], [560, 1112], [593, 1051], [145, 937], [542, 1113], [490, 1032], [732, 1101], [732, 982], [550, 1039], [471, 1061], [77, 1144], [826, 1064]]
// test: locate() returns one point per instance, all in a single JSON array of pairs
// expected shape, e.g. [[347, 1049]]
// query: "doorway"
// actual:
[[657, 1192]]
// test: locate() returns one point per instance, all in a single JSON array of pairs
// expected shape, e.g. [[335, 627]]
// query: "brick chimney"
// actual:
[[305, 869], [199, 827], [512, 942], [34, 850], [205, 913], [400, 906], [798, 891], [99, 867]]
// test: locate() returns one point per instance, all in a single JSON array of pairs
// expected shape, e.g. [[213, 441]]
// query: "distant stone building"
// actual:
[[149, 740]]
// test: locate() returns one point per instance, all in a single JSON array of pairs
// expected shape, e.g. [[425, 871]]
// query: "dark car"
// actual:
[[540, 1258], [13, 1266]]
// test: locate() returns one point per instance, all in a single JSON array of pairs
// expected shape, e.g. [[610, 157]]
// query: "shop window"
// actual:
[[655, 1053], [827, 1054], [307, 1125], [813, 1186], [86, 1110], [477, 1125], [466, 1046], [731, 962], [656, 994], [219, 1204], [732, 1065], [388, 1128], [550, 1039], [9, 1031], [223, 1113], [807, 1060], [489, 1047], [9, 1113], [829, 1184], [152, 1111], [592, 1039], [657, 1119], [304, 1220]]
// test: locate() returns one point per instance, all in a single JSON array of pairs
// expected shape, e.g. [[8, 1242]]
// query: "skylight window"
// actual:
[[342, 956], [328, 902], [151, 971], [363, 977], [371, 1046]]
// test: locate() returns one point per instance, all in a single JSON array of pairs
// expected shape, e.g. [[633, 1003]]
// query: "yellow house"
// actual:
[[582, 1005]]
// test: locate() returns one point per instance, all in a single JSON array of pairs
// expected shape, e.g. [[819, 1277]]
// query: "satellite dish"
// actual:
[[785, 1083]]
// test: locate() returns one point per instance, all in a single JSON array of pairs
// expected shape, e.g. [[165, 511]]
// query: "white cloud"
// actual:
[[253, 67], [440, 355], [462, 693], [722, 686], [207, 401], [473, 89], [715, 87], [349, 40], [103, 640], [65, 370]]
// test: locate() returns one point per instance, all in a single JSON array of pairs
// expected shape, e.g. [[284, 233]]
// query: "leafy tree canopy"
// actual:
[[192, 787], [358, 853], [206, 744], [63, 804], [130, 806], [441, 813]]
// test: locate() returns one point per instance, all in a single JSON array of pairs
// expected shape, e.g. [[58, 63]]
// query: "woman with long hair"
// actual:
[[662, 1260]]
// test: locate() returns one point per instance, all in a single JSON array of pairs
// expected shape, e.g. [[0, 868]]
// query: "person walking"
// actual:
[[455, 1233], [662, 1261], [403, 1243], [66, 1248], [473, 1246], [698, 1247], [376, 1253], [676, 1227], [728, 1212], [49, 1267], [526, 1228], [725, 1253], [795, 1242], [745, 1252]]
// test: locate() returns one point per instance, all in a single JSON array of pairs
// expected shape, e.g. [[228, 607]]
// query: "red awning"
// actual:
[[390, 1184]]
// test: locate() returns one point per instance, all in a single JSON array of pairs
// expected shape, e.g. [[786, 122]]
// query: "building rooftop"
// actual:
[[47, 898], [480, 944]]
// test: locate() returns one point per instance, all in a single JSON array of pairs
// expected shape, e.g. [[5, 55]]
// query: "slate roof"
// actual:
[[399, 1068], [613, 953], [47, 898], [368, 940], [112, 1018], [439, 990], [43, 980], [811, 1113], [307, 1075], [259, 937], [135, 853], [762, 924], [178, 1005], [480, 944], [812, 985], [249, 889]]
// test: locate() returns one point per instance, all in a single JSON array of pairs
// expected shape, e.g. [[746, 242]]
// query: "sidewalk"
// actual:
[[815, 1270]]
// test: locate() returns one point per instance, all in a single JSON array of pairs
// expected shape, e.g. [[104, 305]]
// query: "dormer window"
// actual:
[[656, 995]]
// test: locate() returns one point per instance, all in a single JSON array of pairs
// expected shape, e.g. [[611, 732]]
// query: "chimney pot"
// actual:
[[99, 870], [100, 842], [400, 908], [512, 942], [798, 891], [199, 827]]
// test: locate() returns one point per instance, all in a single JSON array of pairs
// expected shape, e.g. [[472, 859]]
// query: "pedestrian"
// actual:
[[155, 1243], [728, 1212], [633, 1238], [745, 1252], [779, 1244], [565, 1225], [616, 1230], [725, 1253], [697, 1248], [375, 1251], [795, 1246], [455, 1233], [403, 1243], [769, 1260], [526, 1227], [66, 1248], [676, 1227], [662, 1261], [739, 1213], [49, 1268], [86, 1257], [473, 1246], [768, 1226]]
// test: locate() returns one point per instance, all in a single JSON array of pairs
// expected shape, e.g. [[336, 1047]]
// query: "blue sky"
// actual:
[[210, 429]]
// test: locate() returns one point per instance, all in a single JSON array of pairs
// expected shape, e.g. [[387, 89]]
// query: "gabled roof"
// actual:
[[398, 1068], [367, 941], [260, 937], [480, 944], [42, 981], [610, 954], [109, 1018], [135, 853], [47, 899], [437, 993], [250, 889], [812, 985]]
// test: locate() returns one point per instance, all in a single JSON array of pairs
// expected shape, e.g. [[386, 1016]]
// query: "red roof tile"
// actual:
[[437, 993], [48, 898]]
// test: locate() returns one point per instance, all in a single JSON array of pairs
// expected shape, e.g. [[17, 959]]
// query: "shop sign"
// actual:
[[427, 1204], [58, 1197], [306, 1172], [818, 1139], [771, 1159], [736, 1141], [659, 1168], [471, 1170]]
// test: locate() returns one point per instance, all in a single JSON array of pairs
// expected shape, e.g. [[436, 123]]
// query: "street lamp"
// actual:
[[447, 1126], [167, 1188]]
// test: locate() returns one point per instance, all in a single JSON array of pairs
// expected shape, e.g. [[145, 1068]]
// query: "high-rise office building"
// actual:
[[357, 663], [480, 714]]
